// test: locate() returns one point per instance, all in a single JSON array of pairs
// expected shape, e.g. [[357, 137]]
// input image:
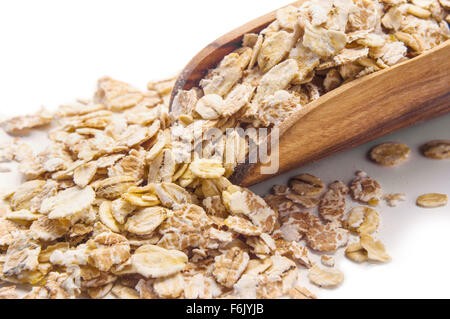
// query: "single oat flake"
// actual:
[[390, 154], [437, 149], [433, 200], [326, 278]]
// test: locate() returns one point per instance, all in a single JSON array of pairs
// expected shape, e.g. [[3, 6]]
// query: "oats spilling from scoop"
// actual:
[[308, 51], [118, 204]]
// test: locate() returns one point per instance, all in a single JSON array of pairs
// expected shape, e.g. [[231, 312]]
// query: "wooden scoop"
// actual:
[[353, 114]]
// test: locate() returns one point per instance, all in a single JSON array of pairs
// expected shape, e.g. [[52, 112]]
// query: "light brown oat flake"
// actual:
[[307, 185], [365, 189], [154, 262], [278, 78], [375, 249], [323, 42], [332, 206], [326, 238], [21, 256], [303, 201], [22, 216], [172, 195], [344, 57], [260, 247], [390, 154], [145, 221], [116, 95], [215, 207], [328, 261], [201, 286], [393, 200], [22, 196], [106, 217], [7, 151], [356, 253], [110, 249], [221, 80], [301, 293], [437, 149], [433, 200], [78, 109], [300, 254], [163, 87], [339, 186], [70, 204], [49, 229], [279, 203], [229, 267], [207, 168], [287, 17], [258, 266], [332, 80], [325, 278], [113, 188], [274, 48], [210, 107], [44, 255], [169, 287], [363, 220], [242, 226], [298, 225], [19, 124], [83, 174], [240, 201], [120, 209]]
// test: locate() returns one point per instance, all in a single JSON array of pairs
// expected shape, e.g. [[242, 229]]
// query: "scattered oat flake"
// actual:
[[363, 220], [394, 200], [332, 206], [437, 149], [375, 249], [366, 189], [326, 238], [390, 154], [328, 261], [326, 278], [19, 124], [433, 200]]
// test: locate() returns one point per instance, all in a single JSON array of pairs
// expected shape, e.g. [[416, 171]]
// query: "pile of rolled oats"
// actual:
[[118, 204]]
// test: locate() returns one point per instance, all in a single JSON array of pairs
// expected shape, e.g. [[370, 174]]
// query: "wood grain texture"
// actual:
[[363, 110], [360, 111]]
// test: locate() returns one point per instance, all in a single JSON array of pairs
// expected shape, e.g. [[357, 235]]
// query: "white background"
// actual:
[[52, 52]]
